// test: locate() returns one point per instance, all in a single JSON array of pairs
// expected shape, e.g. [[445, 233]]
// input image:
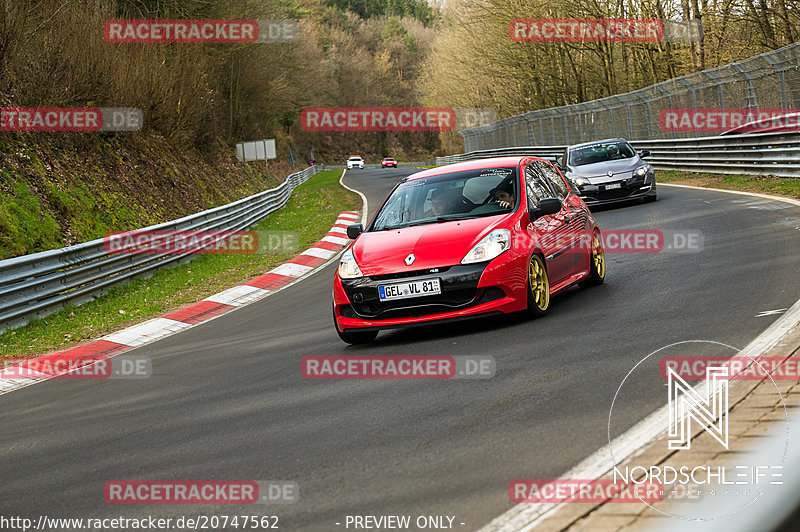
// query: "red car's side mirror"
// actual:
[[354, 230], [546, 206]]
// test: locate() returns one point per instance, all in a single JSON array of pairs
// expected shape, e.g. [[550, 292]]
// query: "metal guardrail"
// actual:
[[756, 154], [766, 81], [36, 285]]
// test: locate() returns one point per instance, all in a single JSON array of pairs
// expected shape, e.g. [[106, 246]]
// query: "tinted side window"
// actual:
[[626, 150], [537, 188], [554, 178]]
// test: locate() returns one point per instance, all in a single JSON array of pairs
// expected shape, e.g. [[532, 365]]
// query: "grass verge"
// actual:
[[777, 186], [310, 213]]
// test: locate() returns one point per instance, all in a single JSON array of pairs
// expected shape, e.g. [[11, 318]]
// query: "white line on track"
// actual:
[[290, 269], [740, 192], [146, 332], [770, 312], [319, 253], [238, 295], [365, 212]]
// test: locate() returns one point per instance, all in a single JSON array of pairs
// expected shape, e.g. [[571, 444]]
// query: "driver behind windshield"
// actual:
[[614, 152], [504, 196], [443, 202]]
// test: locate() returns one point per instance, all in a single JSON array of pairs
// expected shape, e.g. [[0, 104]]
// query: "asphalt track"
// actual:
[[227, 400]]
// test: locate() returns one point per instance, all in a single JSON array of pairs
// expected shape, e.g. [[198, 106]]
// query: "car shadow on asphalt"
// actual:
[[480, 325], [615, 206]]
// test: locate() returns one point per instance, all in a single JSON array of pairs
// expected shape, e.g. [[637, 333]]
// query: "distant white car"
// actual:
[[355, 162]]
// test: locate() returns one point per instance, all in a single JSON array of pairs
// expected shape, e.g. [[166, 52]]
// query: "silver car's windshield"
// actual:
[[459, 195], [600, 152]]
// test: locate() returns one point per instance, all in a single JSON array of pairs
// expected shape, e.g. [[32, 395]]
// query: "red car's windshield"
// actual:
[[458, 195]]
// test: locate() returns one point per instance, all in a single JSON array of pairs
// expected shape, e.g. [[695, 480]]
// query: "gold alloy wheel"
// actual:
[[598, 256], [540, 286]]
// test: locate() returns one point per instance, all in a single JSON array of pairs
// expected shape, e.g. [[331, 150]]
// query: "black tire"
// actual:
[[538, 287], [650, 199], [597, 263], [354, 337]]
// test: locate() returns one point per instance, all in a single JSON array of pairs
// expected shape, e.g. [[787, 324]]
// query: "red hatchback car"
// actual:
[[464, 240], [388, 161]]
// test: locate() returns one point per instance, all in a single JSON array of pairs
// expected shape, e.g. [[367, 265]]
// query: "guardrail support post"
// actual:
[[752, 99], [669, 102], [694, 96], [781, 77]]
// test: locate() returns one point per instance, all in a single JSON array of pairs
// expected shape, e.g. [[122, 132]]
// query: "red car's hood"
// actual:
[[434, 245]]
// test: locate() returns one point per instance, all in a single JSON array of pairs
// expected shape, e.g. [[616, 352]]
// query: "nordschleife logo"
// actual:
[[686, 404]]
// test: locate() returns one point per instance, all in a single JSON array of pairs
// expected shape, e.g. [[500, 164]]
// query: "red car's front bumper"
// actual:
[[501, 288]]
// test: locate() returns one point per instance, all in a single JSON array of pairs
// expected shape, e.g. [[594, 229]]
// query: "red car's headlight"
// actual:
[[490, 246], [348, 268]]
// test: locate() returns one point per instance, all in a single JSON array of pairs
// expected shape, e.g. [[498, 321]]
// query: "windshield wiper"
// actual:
[[439, 219], [391, 227]]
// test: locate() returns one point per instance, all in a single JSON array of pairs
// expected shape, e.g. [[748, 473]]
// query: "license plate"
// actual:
[[613, 186], [406, 290]]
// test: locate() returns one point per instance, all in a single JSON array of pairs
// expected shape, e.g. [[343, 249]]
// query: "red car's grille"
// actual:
[[456, 300], [459, 285], [403, 275]]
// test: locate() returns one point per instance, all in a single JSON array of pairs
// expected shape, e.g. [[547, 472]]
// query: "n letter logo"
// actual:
[[685, 404]]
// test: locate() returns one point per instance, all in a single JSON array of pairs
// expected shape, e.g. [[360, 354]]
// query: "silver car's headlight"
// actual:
[[642, 170], [348, 268], [490, 246], [581, 181]]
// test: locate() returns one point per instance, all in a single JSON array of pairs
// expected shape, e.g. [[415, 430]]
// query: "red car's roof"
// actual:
[[471, 165], [773, 124]]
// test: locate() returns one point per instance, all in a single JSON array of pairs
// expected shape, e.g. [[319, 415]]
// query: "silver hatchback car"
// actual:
[[608, 171]]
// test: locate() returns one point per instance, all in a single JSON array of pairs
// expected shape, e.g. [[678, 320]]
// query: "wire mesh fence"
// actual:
[[766, 81]]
